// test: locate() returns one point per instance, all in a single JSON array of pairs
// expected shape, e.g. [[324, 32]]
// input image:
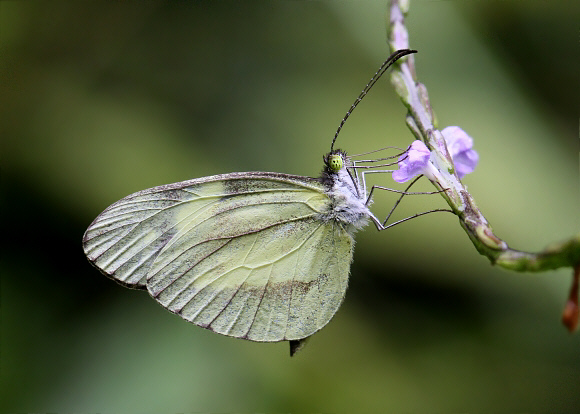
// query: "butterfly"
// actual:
[[255, 255]]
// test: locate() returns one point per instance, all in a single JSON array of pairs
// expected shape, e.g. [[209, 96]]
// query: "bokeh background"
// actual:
[[101, 99]]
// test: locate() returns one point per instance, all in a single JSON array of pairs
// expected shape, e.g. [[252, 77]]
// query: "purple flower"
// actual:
[[416, 159], [413, 163], [460, 146]]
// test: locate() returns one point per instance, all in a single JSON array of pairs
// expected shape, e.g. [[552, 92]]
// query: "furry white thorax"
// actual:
[[348, 201]]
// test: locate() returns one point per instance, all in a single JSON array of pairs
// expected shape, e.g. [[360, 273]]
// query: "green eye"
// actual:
[[335, 162]]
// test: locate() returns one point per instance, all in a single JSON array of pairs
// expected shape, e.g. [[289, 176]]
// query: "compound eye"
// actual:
[[335, 162]]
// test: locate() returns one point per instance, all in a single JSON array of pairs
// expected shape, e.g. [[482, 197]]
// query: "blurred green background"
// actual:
[[101, 99]]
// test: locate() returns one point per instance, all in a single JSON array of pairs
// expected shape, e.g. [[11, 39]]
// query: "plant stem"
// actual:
[[422, 123]]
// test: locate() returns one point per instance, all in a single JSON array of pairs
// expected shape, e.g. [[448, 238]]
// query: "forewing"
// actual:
[[126, 238]]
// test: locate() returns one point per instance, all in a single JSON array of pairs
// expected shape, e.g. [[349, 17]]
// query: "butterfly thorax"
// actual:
[[348, 201]]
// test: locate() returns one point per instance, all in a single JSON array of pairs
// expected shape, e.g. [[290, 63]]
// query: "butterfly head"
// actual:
[[334, 161], [336, 168]]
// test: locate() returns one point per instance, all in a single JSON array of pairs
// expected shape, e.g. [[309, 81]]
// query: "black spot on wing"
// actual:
[[245, 185]]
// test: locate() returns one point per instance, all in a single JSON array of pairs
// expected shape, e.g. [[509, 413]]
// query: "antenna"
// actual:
[[390, 60]]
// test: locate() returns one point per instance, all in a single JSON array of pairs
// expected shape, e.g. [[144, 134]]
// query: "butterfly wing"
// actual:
[[247, 255]]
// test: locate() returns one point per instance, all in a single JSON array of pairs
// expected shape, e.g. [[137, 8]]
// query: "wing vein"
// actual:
[[294, 278], [185, 251], [227, 304], [260, 302], [183, 273]]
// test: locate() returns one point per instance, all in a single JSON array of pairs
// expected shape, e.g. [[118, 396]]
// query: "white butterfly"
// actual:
[[259, 256]]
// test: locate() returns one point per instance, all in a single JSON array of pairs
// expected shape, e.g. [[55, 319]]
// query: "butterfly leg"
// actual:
[[368, 169], [383, 225]]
